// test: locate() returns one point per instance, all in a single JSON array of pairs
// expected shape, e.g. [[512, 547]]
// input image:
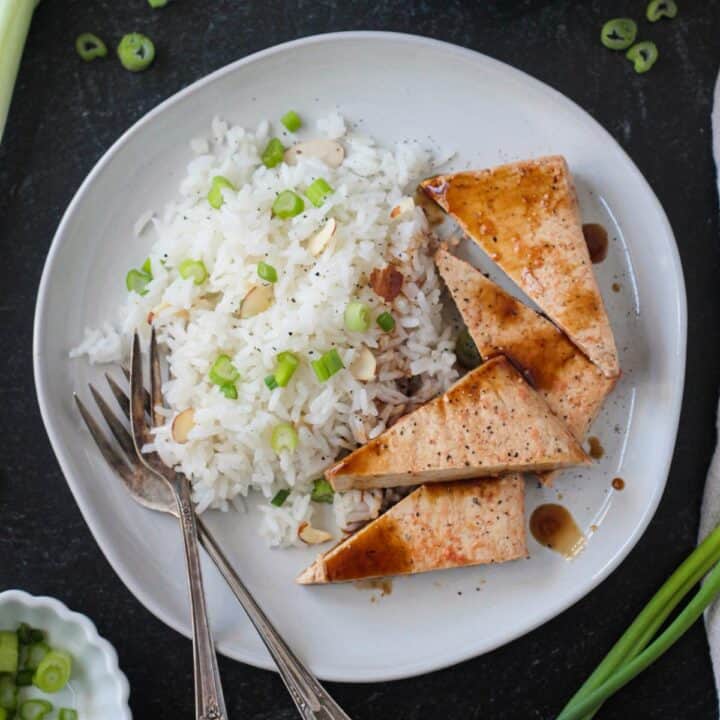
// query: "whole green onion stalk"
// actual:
[[15, 16]]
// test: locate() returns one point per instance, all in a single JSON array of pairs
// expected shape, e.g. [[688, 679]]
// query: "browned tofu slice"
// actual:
[[437, 526], [489, 423], [526, 217], [573, 387]]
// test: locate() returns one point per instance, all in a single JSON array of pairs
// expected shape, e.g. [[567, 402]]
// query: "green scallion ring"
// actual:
[[618, 34], [223, 372], [280, 497], [318, 191], [643, 56], [267, 272], [357, 316], [90, 46], [136, 52], [194, 269], [273, 154], [284, 437], [322, 491], [287, 205], [658, 9], [215, 196], [386, 322], [291, 120]]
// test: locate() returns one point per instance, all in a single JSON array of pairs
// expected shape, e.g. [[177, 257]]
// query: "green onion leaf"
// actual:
[[9, 651], [357, 317], [194, 269], [24, 677], [321, 371], [90, 46], [215, 196], [223, 372], [386, 322], [273, 153], [287, 365], [618, 34], [157, 3], [34, 709], [229, 391], [146, 267], [332, 361], [35, 655], [643, 56], [137, 281], [8, 693], [291, 120], [267, 272], [658, 9], [53, 672], [271, 382], [136, 52], [318, 192], [287, 205], [67, 714], [322, 491], [284, 437], [280, 497]]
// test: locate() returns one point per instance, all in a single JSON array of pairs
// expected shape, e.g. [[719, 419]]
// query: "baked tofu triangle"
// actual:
[[490, 422], [437, 526], [525, 216]]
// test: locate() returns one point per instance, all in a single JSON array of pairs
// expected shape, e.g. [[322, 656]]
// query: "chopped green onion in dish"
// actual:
[[34, 655], [658, 9], [136, 52], [157, 3], [327, 365], [229, 390], [137, 281], [194, 269], [291, 120], [90, 46], [146, 267], [271, 382], [287, 365], [643, 56], [27, 634], [8, 693], [54, 671], [284, 437], [273, 153], [466, 350], [618, 34], [34, 709], [67, 714], [280, 497], [3, 714], [322, 491], [386, 322], [287, 205], [321, 372], [267, 272], [9, 651], [24, 677], [215, 196], [318, 191], [357, 316], [223, 372]]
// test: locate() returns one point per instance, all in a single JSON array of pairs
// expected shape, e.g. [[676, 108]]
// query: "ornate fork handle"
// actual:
[[209, 701], [312, 700]]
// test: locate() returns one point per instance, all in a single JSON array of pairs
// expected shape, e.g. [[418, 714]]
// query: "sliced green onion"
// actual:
[[53, 672], [34, 709], [618, 34], [3, 714], [321, 371], [68, 713], [332, 361], [291, 120], [157, 3], [136, 52], [271, 382], [36, 635], [229, 390], [194, 269], [9, 651], [137, 281], [146, 267], [215, 196], [287, 205], [466, 350], [273, 153], [287, 365], [280, 497], [223, 371], [643, 56], [322, 491], [284, 437], [657, 9], [386, 322], [24, 634], [8, 693], [35, 655], [267, 272], [318, 191], [357, 316], [24, 677], [90, 46]]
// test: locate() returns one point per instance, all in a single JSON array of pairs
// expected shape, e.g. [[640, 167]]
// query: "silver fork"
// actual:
[[311, 699]]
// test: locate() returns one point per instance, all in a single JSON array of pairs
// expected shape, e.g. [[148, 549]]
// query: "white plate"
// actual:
[[395, 86]]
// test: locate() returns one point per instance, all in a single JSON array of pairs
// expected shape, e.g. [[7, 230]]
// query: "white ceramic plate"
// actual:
[[395, 86]]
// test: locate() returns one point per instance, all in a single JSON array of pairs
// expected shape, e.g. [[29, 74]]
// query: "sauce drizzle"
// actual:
[[554, 527], [596, 238], [618, 483], [596, 450]]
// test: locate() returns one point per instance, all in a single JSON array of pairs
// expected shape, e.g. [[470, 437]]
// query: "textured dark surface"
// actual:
[[66, 114]]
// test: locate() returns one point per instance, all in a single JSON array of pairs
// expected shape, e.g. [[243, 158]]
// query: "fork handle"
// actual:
[[311, 699], [209, 700]]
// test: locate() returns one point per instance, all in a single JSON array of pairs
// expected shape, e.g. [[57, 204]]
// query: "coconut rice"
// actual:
[[228, 453]]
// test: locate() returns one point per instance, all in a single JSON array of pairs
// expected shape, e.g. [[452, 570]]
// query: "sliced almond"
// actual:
[[312, 536], [161, 308], [364, 365], [183, 423], [320, 240], [330, 152], [405, 206], [258, 300]]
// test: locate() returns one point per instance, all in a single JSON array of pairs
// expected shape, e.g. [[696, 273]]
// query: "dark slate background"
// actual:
[[66, 114]]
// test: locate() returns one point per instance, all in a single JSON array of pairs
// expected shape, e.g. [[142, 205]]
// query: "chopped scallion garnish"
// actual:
[[53, 672], [194, 269], [267, 272], [157, 3], [322, 491], [136, 52], [318, 191], [280, 497], [137, 281], [229, 390], [284, 437], [321, 372], [287, 365], [327, 365], [287, 205], [273, 154], [215, 196], [90, 46], [34, 709], [223, 372], [271, 382], [643, 56], [386, 322], [9, 651], [619, 33], [291, 120], [67, 714], [357, 316], [658, 9]]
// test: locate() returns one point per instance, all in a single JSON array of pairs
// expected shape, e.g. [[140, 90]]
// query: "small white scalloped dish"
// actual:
[[98, 689]]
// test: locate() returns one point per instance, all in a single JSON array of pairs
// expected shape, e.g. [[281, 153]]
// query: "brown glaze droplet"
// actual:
[[596, 238], [616, 287], [618, 483], [596, 450], [554, 527], [384, 585]]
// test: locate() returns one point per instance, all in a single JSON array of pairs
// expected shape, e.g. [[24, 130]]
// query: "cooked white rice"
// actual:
[[228, 453]]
